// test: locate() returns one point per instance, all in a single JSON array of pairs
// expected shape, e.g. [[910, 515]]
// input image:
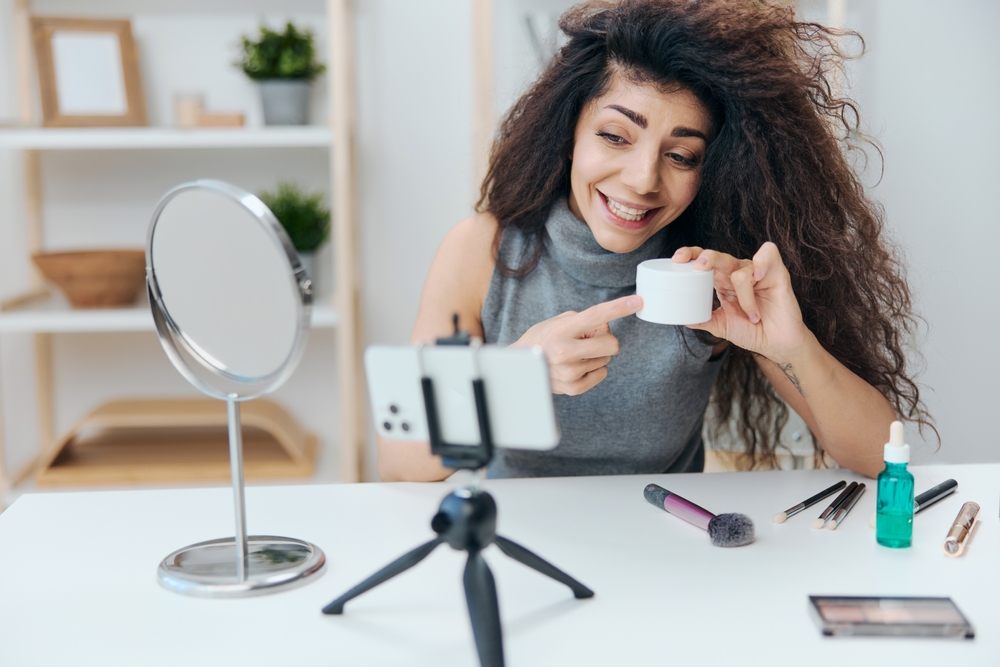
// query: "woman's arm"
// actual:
[[577, 346], [848, 416], [759, 313], [457, 283]]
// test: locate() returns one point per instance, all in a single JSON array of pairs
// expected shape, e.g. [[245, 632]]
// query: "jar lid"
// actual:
[[667, 274]]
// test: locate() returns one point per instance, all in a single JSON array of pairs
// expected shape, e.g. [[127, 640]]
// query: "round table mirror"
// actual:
[[232, 304]]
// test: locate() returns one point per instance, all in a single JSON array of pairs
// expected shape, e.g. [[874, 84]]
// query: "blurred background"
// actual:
[[430, 81]]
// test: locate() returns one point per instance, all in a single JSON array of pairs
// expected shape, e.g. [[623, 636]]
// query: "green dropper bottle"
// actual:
[[894, 506]]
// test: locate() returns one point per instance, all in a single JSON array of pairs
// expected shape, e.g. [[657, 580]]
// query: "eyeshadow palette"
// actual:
[[840, 616]]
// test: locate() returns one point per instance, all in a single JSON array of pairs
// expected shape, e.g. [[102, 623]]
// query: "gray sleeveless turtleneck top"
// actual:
[[646, 415]]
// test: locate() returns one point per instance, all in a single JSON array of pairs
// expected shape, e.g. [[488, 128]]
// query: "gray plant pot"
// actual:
[[318, 267], [286, 101], [308, 260]]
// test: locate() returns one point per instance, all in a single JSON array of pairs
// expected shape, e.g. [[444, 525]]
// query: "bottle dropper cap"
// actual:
[[896, 450]]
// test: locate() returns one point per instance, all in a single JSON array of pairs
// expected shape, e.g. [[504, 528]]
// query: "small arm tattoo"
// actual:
[[790, 374]]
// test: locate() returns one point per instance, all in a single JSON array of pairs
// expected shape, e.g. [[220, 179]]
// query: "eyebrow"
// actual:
[[689, 132], [633, 116], [641, 121]]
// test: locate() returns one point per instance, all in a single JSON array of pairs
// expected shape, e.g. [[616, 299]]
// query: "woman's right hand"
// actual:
[[578, 346]]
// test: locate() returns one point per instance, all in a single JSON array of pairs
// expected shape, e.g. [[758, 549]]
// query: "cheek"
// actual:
[[686, 188], [589, 167]]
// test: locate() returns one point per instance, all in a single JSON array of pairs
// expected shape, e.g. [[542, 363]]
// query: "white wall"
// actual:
[[928, 88], [415, 103], [932, 92]]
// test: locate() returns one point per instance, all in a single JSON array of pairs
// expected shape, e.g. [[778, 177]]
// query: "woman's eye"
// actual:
[[611, 138], [681, 160]]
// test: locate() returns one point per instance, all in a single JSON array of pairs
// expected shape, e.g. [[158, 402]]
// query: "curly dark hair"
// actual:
[[776, 169]]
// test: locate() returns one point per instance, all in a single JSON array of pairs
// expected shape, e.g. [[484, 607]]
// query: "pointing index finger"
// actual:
[[602, 313]]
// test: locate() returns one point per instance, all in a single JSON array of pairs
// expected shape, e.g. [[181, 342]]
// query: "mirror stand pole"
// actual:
[[206, 569], [236, 464]]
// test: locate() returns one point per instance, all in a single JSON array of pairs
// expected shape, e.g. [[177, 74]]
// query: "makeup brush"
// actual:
[[780, 517], [725, 530], [840, 514], [835, 505]]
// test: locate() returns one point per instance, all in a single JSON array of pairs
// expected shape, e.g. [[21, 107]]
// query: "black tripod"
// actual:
[[467, 521]]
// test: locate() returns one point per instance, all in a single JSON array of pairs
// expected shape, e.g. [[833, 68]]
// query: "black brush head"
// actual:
[[730, 530]]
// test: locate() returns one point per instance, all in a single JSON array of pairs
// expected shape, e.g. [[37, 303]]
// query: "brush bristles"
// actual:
[[780, 517], [831, 525], [731, 530], [818, 523]]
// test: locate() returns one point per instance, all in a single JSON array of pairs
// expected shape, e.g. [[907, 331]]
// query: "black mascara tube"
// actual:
[[931, 496]]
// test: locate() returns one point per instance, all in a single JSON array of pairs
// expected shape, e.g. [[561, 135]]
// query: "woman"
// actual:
[[707, 132]]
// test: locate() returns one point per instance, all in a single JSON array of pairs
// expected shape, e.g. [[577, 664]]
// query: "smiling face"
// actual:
[[637, 158]]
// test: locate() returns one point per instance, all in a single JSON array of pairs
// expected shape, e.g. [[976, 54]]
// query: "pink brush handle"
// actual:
[[687, 510]]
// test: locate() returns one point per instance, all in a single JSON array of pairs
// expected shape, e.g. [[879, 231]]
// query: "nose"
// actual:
[[642, 172]]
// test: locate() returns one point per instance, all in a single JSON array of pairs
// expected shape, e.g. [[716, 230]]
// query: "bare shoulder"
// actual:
[[458, 279], [467, 251], [472, 238]]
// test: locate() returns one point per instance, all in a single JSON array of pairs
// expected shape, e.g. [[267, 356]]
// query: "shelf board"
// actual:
[[124, 138], [177, 440], [53, 316]]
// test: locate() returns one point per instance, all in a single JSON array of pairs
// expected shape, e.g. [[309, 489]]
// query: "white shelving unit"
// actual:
[[42, 314], [136, 138], [54, 316]]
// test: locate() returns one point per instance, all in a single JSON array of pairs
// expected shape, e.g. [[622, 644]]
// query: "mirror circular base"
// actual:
[[208, 569]]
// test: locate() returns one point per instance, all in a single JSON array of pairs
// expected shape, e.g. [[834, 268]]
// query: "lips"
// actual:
[[624, 216]]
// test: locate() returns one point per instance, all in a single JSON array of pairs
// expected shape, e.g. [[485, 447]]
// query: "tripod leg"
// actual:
[[484, 611], [401, 564], [522, 555]]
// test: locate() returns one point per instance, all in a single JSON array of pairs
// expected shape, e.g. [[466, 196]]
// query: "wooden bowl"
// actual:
[[95, 278]]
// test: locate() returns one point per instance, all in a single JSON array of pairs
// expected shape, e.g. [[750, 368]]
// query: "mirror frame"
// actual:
[[179, 347]]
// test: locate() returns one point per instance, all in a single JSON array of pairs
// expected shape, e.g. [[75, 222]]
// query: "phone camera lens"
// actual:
[[393, 409], [387, 426], [405, 426]]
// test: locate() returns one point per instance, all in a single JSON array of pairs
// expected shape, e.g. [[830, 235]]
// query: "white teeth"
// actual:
[[625, 212]]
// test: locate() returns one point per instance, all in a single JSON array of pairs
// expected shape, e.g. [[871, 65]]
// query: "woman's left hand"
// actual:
[[759, 311]]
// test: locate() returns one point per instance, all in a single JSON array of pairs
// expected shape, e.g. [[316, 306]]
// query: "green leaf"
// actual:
[[287, 55], [303, 215]]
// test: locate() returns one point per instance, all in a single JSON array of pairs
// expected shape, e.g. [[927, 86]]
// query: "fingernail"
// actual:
[[633, 302], [701, 261], [755, 318]]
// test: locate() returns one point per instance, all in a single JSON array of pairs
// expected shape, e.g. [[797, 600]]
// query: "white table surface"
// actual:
[[78, 576]]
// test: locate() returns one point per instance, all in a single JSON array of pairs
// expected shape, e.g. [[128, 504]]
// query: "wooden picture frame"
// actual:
[[88, 72]]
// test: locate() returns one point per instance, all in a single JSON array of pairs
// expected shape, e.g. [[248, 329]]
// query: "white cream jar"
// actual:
[[674, 293]]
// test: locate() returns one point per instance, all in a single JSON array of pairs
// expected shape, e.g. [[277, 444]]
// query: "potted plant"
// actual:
[[304, 217], [283, 64]]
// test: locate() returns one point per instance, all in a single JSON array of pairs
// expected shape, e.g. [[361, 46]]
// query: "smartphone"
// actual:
[[840, 616], [516, 382]]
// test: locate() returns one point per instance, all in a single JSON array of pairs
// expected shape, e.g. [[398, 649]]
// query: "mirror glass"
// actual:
[[226, 282]]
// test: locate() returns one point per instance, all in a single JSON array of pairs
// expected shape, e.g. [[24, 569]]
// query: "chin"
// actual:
[[614, 241]]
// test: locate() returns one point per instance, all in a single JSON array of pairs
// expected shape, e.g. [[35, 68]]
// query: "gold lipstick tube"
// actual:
[[954, 544]]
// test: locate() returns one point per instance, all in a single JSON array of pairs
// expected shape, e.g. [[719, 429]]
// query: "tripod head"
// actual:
[[459, 457]]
